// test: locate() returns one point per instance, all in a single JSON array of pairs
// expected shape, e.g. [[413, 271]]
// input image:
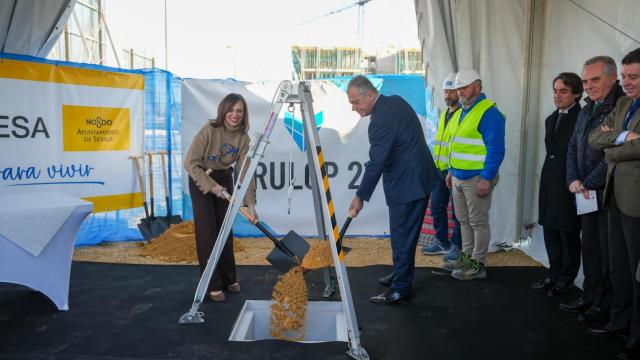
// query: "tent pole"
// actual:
[[530, 101]]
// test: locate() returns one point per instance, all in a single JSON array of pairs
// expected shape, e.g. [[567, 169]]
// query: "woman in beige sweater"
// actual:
[[221, 143]]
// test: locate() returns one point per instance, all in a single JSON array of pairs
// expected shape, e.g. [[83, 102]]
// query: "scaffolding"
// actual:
[[83, 38], [86, 36], [137, 61]]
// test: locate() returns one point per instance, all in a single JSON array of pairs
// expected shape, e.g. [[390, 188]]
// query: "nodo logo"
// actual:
[[98, 122]]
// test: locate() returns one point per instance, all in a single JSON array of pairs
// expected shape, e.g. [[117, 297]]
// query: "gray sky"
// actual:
[[251, 39]]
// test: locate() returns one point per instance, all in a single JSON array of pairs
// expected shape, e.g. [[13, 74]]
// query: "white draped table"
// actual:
[[37, 236]]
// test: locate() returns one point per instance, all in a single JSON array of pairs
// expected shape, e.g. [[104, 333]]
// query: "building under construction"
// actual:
[[394, 60], [313, 62]]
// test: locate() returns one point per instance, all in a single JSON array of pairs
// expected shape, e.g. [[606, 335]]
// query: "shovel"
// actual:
[[287, 252], [143, 226], [169, 219], [342, 232], [155, 226]]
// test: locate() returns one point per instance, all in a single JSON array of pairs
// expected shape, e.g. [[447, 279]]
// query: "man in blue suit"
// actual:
[[399, 152]]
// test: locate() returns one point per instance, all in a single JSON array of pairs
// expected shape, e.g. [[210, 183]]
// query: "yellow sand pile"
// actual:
[[178, 244]]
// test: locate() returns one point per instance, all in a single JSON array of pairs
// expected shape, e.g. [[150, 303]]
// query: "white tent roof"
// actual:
[[32, 27]]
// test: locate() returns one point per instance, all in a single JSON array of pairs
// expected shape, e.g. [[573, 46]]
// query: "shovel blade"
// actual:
[[283, 262], [145, 230], [158, 226], [151, 228], [173, 219]]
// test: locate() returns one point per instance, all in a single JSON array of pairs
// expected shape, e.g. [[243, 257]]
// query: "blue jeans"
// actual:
[[439, 201]]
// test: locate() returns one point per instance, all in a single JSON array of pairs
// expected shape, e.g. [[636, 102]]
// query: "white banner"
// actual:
[[70, 130], [344, 139]]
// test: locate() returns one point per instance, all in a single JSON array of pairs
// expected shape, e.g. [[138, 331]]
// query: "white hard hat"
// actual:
[[448, 82], [465, 77]]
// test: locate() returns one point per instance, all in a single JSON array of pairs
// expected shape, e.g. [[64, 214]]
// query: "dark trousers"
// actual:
[[405, 221], [208, 215], [563, 250], [440, 196], [624, 254], [596, 287]]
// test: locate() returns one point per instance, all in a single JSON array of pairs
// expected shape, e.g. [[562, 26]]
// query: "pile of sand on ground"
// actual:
[[177, 245]]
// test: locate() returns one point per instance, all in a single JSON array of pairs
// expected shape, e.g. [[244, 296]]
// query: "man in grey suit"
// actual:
[[619, 137]]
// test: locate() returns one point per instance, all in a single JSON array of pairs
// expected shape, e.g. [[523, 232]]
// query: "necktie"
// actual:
[[595, 107], [560, 118], [632, 110]]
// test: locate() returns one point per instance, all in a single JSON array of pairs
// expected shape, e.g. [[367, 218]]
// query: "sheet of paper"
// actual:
[[585, 206]]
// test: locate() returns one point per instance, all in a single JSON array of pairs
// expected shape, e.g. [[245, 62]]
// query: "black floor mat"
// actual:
[[131, 312]]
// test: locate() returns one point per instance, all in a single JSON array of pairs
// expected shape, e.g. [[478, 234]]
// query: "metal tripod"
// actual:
[[323, 203]]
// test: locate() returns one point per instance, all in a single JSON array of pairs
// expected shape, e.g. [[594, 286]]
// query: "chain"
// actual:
[[292, 109]]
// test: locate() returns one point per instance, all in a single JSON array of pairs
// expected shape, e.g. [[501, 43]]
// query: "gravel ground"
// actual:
[[252, 251]]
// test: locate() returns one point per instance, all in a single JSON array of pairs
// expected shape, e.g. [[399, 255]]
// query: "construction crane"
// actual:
[[359, 3]]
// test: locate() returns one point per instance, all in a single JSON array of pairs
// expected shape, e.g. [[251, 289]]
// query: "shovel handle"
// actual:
[[342, 232], [150, 155], [139, 164], [261, 226], [243, 210], [274, 240], [163, 157]]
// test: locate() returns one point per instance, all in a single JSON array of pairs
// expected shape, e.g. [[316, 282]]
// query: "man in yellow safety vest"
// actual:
[[441, 194], [475, 154]]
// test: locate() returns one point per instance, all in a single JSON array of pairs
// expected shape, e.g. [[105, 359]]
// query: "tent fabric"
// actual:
[[32, 27], [518, 47], [472, 32]]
